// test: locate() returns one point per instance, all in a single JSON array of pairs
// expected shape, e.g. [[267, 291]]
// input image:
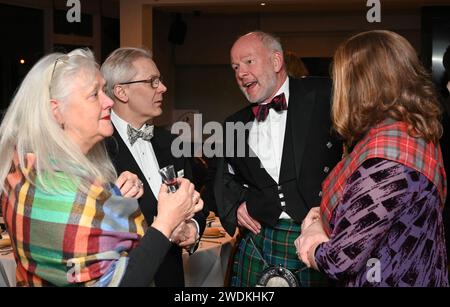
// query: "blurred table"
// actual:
[[7, 270], [7, 262], [207, 267]]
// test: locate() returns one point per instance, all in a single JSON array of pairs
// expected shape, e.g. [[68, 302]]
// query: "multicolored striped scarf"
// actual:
[[69, 238], [388, 140]]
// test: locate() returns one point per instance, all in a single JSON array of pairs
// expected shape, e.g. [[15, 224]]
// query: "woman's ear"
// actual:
[[55, 106], [277, 61], [120, 93]]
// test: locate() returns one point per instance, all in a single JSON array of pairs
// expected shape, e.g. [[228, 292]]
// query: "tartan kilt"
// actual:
[[277, 247]]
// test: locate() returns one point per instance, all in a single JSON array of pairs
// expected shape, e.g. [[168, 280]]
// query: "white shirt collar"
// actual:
[[119, 123]]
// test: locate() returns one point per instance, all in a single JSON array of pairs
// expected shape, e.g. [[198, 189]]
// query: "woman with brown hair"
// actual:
[[380, 219]]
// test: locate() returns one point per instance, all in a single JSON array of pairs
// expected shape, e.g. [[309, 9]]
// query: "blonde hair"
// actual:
[[30, 127], [118, 67], [376, 75]]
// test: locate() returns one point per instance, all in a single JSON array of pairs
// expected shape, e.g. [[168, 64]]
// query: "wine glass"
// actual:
[[169, 178]]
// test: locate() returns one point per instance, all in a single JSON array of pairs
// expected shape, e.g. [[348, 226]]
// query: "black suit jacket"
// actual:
[[315, 150], [170, 273]]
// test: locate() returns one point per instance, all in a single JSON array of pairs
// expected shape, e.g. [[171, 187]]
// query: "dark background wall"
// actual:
[[32, 28], [22, 34], [197, 69]]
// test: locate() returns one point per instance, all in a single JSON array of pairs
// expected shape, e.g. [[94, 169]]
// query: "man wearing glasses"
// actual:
[[134, 83]]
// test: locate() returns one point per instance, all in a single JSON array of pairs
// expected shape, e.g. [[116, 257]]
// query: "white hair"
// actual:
[[30, 127], [271, 42], [118, 67]]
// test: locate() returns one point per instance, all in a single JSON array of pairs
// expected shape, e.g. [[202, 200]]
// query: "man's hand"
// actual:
[[245, 220], [185, 235]]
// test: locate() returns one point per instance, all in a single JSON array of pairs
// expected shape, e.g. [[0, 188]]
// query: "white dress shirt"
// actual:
[[143, 154], [145, 157], [266, 139]]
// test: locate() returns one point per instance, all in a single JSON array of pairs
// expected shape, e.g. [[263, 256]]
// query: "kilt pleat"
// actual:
[[276, 247]]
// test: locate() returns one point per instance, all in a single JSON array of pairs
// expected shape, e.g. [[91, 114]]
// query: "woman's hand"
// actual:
[[130, 186], [174, 208], [312, 216], [308, 241]]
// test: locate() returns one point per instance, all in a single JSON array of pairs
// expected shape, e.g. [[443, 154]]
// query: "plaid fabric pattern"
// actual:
[[277, 247], [388, 140], [70, 238]]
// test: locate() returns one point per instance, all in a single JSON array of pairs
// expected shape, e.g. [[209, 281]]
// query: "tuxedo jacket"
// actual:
[[310, 151], [170, 272]]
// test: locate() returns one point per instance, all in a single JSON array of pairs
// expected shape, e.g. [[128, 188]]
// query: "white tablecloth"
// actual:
[[207, 267], [9, 269]]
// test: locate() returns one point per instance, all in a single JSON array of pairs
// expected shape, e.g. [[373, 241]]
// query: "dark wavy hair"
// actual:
[[376, 75]]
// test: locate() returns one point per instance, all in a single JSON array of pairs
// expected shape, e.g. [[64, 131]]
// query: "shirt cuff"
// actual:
[[196, 225], [194, 246]]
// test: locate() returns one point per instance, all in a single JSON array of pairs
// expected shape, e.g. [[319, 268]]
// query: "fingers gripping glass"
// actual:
[[169, 178], [154, 81]]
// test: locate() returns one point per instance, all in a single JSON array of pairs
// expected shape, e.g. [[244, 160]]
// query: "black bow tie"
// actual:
[[133, 134], [278, 103]]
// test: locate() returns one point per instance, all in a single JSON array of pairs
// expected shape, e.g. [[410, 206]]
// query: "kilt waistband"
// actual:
[[285, 225]]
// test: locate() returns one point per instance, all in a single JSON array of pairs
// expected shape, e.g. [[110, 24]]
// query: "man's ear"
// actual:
[[120, 93], [55, 106], [277, 61]]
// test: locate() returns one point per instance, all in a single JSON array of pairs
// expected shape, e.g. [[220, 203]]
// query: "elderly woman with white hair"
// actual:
[[71, 220]]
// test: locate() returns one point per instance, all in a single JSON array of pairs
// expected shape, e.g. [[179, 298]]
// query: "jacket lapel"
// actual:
[[161, 147], [299, 116], [227, 191], [251, 162], [123, 160]]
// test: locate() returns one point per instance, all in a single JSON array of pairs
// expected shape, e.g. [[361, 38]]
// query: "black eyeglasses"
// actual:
[[154, 81]]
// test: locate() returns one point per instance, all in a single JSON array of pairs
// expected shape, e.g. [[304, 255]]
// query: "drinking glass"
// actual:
[[169, 178]]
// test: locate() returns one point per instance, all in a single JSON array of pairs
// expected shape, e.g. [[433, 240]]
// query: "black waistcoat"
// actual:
[[267, 199]]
